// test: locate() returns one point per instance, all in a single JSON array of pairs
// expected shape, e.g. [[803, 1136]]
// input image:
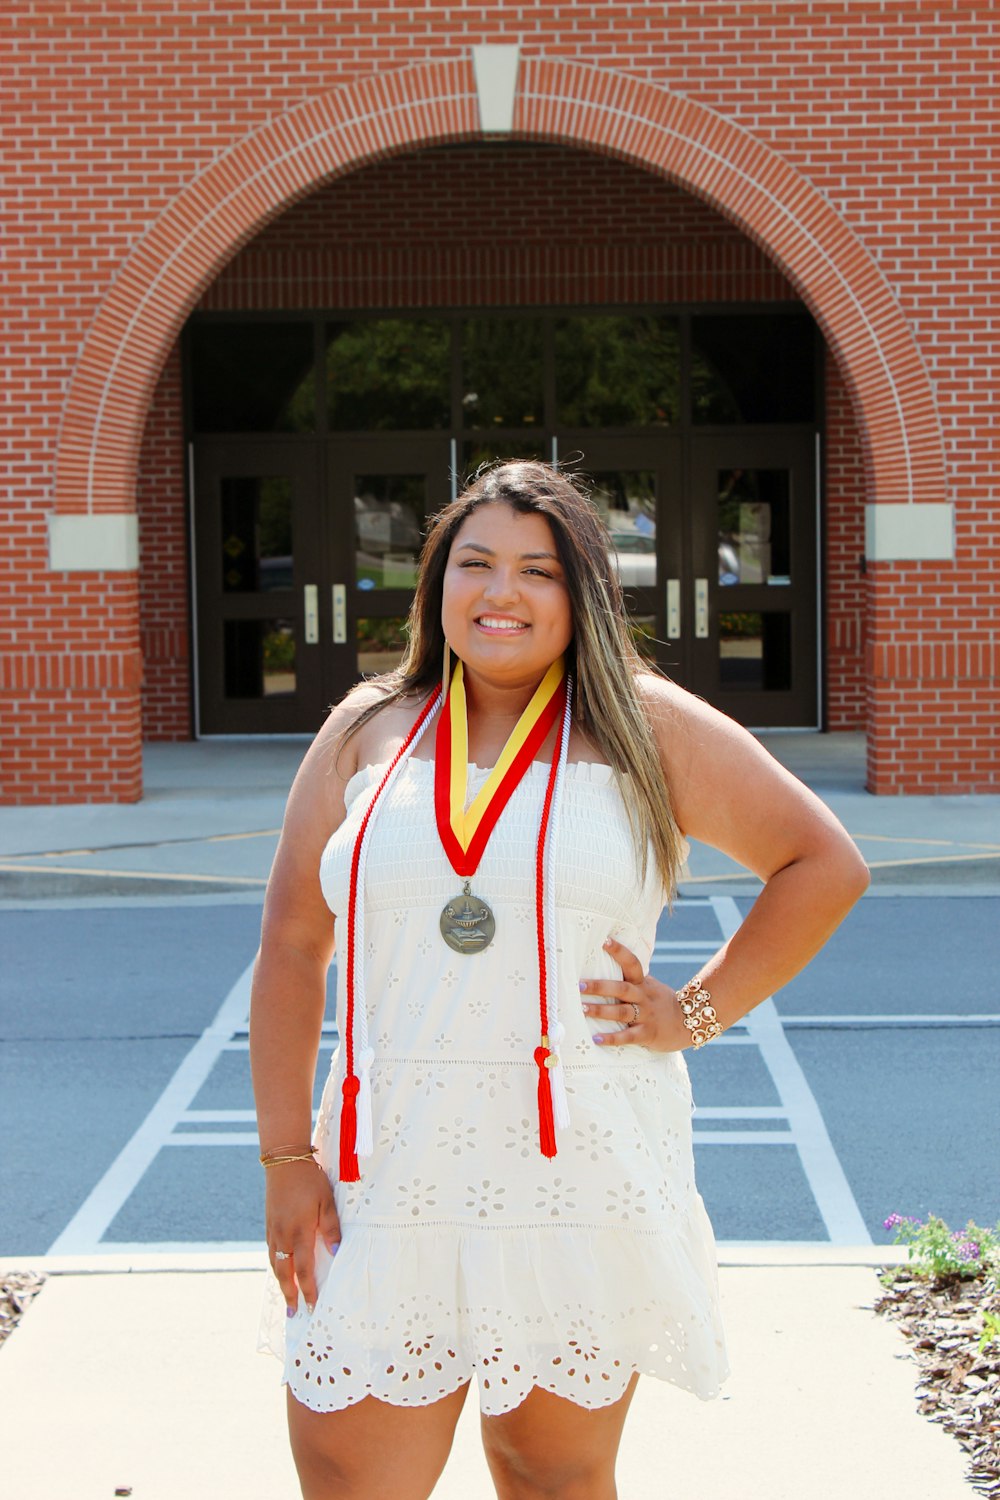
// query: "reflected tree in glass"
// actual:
[[502, 372], [388, 374], [617, 371]]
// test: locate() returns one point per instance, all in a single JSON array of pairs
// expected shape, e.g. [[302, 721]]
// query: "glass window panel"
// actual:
[[256, 554], [754, 526], [381, 643], [627, 502], [617, 371], [389, 515], [502, 379], [253, 377], [474, 455], [755, 651], [259, 658], [753, 368], [643, 629], [388, 374]]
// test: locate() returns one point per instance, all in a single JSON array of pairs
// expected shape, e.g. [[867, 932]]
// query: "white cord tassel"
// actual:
[[557, 1031], [364, 1143]]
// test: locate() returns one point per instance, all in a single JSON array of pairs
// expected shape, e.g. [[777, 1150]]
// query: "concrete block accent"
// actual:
[[911, 533], [496, 84], [93, 544]]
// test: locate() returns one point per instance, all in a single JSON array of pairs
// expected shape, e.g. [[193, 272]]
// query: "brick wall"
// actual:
[[887, 110]]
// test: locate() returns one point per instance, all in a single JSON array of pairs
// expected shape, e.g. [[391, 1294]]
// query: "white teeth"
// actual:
[[492, 624]]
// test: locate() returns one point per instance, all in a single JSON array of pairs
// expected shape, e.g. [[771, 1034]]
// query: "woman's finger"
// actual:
[[614, 989], [627, 1037], [626, 960], [283, 1265], [621, 1012]]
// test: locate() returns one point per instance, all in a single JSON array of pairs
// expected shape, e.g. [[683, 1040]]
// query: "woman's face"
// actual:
[[505, 606]]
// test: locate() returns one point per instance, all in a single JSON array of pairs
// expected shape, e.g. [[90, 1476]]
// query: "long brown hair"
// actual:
[[602, 656]]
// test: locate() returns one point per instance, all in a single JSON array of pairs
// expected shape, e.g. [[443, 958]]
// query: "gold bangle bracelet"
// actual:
[[286, 1153], [700, 1016], [277, 1161]]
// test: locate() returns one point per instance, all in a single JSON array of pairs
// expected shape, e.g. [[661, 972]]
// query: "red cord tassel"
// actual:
[[349, 1171], [546, 1124]]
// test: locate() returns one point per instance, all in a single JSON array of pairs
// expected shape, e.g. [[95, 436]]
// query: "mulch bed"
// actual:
[[16, 1290], [956, 1384]]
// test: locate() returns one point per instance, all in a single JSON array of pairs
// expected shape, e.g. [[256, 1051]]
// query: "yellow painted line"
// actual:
[[933, 859], [228, 838], [131, 874]]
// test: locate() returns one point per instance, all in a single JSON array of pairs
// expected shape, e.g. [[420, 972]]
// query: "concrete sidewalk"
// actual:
[[147, 1383]]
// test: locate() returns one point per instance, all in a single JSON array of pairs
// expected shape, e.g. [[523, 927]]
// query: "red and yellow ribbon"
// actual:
[[465, 832]]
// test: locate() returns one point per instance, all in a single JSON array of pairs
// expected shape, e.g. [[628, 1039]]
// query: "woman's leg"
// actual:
[[372, 1449], [549, 1449]]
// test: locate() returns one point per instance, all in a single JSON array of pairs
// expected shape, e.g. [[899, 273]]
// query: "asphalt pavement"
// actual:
[[865, 1087]]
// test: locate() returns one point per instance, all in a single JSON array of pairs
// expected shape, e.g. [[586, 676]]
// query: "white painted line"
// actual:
[[83, 1233], [212, 1138], [744, 1138], [217, 1116], [740, 1112], [965, 1019], [826, 1176]]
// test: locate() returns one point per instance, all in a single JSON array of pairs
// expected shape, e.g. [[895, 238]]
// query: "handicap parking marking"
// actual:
[[795, 1121]]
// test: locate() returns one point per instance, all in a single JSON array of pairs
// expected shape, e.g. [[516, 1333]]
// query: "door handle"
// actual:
[[673, 609], [312, 614], [339, 593], [701, 608]]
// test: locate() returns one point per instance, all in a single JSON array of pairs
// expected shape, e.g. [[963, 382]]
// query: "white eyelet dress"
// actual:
[[465, 1251]]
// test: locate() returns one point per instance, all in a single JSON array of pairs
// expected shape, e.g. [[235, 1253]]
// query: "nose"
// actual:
[[501, 585]]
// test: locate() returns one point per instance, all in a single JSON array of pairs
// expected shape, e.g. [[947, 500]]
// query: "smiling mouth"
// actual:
[[501, 626]]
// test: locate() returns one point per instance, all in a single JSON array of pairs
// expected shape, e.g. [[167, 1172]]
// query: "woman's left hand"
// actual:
[[649, 1009]]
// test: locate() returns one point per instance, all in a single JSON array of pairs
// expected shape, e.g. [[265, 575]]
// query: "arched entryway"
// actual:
[[564, 102]]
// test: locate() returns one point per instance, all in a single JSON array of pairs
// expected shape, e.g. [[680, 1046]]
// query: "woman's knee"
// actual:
[[548, 1448]]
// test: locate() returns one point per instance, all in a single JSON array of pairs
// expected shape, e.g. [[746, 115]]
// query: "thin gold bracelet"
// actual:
[[286, 1153]]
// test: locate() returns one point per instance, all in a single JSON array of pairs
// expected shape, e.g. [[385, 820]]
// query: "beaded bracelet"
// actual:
[[699, 1013], [282, 1154]]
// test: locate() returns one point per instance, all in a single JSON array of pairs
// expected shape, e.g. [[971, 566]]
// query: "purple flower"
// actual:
[[968, 1250], [892, 1221]]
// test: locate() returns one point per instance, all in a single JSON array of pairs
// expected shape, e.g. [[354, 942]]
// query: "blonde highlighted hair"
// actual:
[[602, 656]]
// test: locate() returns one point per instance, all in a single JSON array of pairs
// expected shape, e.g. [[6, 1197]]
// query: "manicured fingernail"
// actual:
[[290, 1312], [310, 1308], [333, 1246], [609, 942], [583, 986], [598, 1040]]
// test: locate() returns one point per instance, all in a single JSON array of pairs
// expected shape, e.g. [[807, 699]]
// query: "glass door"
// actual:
[[381, 494], [750, 597], [256, 545]]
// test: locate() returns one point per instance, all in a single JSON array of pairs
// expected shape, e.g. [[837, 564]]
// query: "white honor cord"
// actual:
[[363, 1053], [557, 1031]]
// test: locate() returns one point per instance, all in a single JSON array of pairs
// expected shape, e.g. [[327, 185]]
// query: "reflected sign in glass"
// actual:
[[753, 368], [626, 499], [755, 651], [389, 515], [617, 371], [502, 379], [388, 375], [259, 658], [253, 377], [256, 517], [754, 526]]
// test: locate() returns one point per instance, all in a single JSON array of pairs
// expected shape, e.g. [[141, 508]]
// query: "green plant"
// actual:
[[991, 1331], [938, 1253]]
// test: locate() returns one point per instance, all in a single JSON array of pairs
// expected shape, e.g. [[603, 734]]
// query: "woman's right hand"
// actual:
[[299, 1205]]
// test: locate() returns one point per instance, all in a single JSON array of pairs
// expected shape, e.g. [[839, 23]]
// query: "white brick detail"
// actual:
[[910, 533], [496, 84], [93, 544]]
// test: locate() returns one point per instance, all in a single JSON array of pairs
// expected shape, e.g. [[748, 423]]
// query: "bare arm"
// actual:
[[729, 793], [288, 999]]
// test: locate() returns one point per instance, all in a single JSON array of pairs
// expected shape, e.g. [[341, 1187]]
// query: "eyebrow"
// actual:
[[524, 556]]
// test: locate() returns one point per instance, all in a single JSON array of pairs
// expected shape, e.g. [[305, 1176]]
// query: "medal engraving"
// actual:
[[467, 924]]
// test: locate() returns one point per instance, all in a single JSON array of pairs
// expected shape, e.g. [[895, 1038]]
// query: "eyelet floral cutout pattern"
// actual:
[[465, 1252]]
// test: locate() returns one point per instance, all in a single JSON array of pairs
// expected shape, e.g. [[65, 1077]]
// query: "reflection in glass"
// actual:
[[388, 374], [253, 377], [754, 526], [502, 365], [627, 502], [755, 651], [643, 628], [753, 368], [259, 658], [499, 451], [256, 513], [617, 371], [389, 513], [381, 643]]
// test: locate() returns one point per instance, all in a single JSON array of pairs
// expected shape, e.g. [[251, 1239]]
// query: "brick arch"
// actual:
[[588, 107]]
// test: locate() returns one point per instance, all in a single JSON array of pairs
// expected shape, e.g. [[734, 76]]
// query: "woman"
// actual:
[[502, 1164]]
